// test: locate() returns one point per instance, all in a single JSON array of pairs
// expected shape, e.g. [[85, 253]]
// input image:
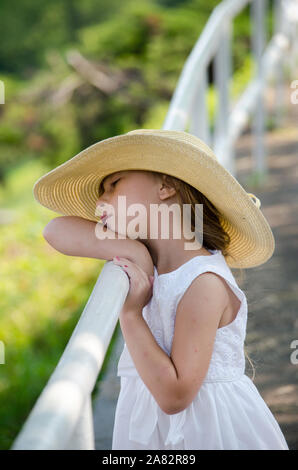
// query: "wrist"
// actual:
[[127, 314]]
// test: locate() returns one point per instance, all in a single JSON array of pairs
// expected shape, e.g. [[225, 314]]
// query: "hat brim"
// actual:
[[73, 187]]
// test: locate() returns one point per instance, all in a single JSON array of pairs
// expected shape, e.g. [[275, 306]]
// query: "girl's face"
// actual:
[[138, 187]]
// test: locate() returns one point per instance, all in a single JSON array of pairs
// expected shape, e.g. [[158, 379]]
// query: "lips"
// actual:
[[104, 218]]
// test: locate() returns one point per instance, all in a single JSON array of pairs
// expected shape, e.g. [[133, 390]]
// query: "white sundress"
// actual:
[[227, 413]]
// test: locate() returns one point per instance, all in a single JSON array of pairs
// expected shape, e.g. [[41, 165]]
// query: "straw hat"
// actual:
[[72, 187]]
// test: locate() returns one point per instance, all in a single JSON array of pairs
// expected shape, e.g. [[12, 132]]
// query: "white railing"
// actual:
[[189, 105], [62, 416]]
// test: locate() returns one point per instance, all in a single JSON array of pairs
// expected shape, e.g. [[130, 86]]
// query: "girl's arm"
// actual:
[[75, 236], [175, 380]]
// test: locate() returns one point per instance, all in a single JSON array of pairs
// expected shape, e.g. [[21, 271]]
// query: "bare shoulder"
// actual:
[[208, 288]]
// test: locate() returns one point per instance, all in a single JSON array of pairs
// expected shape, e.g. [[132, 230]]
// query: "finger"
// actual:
[[125, 264], [118, 260], [132, 269]]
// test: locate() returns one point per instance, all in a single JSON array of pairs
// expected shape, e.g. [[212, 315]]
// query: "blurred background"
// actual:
[[76, 73]]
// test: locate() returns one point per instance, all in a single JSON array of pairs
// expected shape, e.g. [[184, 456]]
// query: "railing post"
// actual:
[[292, 14], [223, 69], [199, 120], [258, 119], [279, 78]]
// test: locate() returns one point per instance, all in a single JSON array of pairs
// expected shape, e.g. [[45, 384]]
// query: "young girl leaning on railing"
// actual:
[[182, 369]]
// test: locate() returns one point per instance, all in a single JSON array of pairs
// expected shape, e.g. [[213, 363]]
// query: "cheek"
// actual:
[[132, 201]]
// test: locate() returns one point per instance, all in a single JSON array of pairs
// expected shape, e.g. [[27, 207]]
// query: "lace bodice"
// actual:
[[228, 360]]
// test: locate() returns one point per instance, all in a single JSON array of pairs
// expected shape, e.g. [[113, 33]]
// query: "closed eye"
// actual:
[[101, 188]]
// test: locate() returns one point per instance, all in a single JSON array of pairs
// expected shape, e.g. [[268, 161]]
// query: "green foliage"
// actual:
[[145, 40], [40, 25]]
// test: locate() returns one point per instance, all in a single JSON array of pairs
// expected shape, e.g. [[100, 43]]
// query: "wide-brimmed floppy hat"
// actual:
[[72, 188]]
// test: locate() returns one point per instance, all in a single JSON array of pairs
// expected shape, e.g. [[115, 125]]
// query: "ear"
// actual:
[[166, 189]]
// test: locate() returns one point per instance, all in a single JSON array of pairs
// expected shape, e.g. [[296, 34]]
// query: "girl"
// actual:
[[182, 369]]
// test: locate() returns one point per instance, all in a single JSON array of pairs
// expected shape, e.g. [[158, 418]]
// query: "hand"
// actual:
[[141, 286]]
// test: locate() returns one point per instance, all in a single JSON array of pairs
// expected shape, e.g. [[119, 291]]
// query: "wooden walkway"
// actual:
[[271, 289]]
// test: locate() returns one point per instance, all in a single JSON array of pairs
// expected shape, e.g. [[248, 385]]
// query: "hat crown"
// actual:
[[181, 136]]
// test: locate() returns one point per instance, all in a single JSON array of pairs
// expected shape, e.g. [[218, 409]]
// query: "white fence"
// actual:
[[62, 416]]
